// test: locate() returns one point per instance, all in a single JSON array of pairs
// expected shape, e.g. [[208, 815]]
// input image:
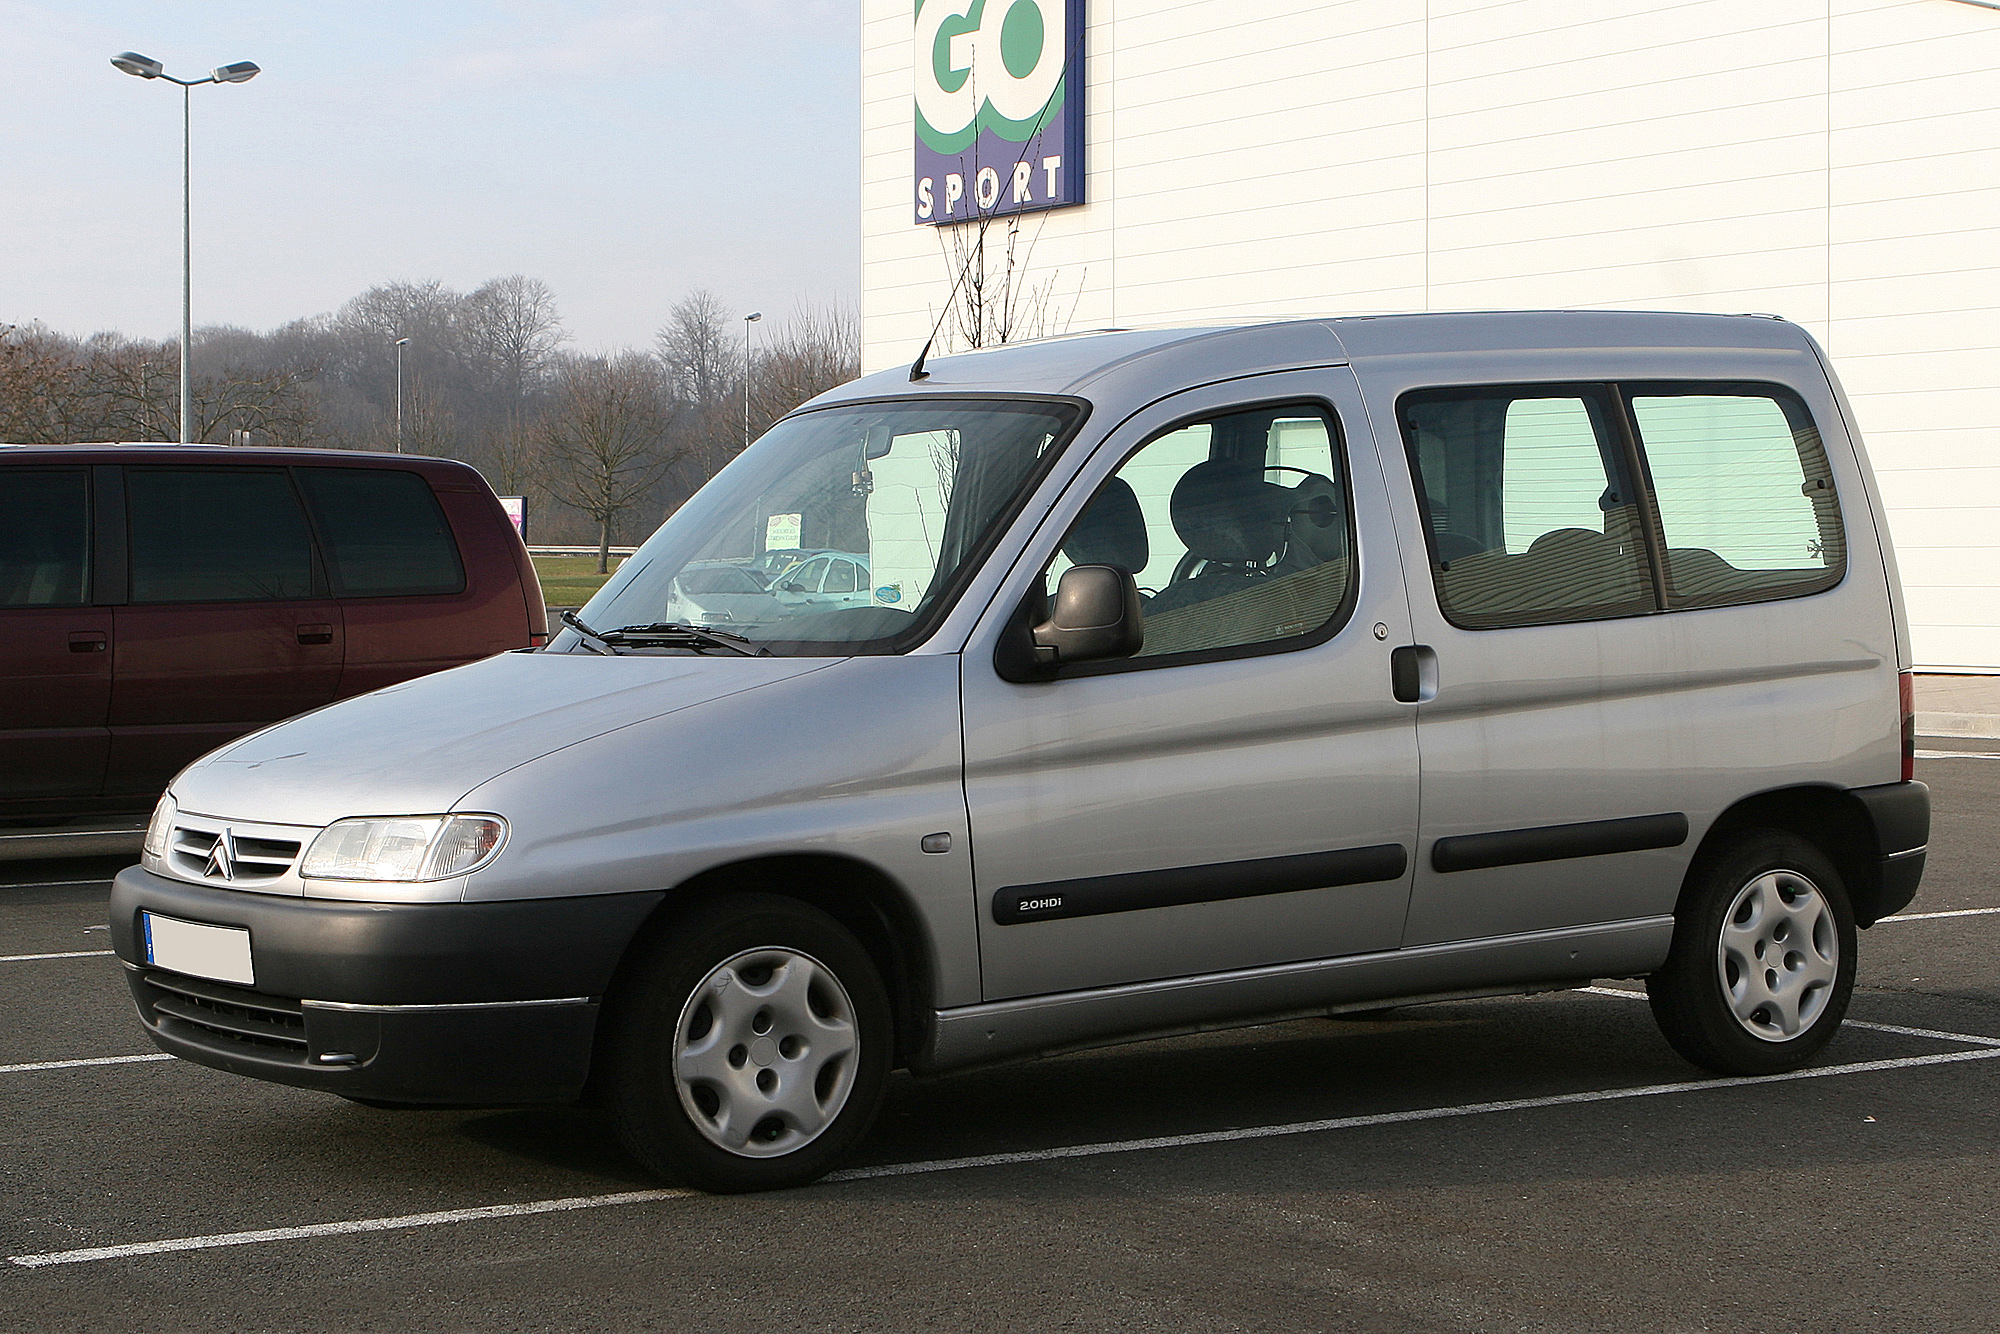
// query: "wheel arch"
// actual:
[[1832, 819], [865, 900]]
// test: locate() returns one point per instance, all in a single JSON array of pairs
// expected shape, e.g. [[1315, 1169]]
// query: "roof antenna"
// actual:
[[917, 371]]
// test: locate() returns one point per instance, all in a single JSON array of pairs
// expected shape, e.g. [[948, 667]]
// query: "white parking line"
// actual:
[[1929, 916], [213, 1241], [66, 954], [1957, 755], [1975, 1039], [72, 1065], [345, 1228]]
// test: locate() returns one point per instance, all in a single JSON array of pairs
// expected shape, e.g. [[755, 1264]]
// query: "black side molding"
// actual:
[[1134, 890], [1592, 838]]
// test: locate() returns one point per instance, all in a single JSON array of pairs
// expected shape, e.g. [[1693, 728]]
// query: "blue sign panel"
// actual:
[[999, 107]]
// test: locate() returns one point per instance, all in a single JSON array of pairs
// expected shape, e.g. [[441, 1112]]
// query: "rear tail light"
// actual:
[[538, 641], [1906, 693]]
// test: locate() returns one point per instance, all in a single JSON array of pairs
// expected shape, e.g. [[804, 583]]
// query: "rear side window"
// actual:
[[1745, 497], [383, 532], [216, 535], [1532, 519], [44, 537]]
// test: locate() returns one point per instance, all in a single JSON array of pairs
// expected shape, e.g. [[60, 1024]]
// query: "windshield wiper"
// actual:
[[668, 634], [674, 634], [570, 619]]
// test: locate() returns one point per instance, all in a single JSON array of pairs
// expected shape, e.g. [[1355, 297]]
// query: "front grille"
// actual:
[[218, 1015], [250, 860]]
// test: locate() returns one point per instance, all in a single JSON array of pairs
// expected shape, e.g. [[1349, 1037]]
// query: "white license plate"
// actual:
[[220, 953]]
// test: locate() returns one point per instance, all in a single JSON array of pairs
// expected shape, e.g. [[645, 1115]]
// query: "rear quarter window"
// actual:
[[383, 533], [1746, 501]]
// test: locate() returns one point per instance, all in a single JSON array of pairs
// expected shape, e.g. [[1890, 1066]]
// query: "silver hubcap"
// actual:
[[764, 1052], [1778, 956]]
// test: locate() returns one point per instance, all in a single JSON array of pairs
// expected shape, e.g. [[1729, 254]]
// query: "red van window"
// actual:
[[216, 535], [383, 532], [44, 537]]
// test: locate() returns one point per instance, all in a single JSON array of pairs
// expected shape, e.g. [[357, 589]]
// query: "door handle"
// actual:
[[1413, 673], [315, 634], [88, 641]]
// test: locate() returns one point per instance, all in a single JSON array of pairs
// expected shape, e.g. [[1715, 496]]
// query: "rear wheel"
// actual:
[[750, 1048], [1762, 962]]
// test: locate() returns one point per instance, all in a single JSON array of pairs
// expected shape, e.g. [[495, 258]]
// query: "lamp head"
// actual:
[[401, 341], [241, 72], [144, 67], [753, 317]]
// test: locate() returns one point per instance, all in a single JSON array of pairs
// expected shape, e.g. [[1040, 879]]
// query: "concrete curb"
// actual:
[[1958, 724]]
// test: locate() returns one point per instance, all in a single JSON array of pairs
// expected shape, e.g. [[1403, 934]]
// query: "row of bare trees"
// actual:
[[602, 445]]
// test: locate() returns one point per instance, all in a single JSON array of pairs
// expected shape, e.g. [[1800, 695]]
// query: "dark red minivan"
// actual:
[[158, 600]]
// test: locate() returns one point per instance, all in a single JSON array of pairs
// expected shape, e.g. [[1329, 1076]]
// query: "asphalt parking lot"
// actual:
[[1539, 1163]]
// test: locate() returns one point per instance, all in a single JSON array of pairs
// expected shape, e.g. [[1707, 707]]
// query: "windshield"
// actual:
[[859, 524]]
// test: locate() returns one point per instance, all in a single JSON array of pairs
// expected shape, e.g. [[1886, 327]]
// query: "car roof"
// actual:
[[1136, 360], [242, 456]]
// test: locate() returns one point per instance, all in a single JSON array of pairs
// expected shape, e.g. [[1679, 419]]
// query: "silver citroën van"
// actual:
[[1205, 676]]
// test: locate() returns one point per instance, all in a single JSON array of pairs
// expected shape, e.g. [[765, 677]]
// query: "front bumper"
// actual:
[[462, 1003]]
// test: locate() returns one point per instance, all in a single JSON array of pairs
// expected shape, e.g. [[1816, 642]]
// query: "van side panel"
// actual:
[[1665, 714]]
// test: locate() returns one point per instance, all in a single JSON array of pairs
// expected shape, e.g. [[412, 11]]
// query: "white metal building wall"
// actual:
[[1833, 161]]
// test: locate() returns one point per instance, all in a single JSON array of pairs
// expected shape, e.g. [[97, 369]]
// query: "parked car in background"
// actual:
[[767, 567], [826, 580], [723, 594], [159, 600]]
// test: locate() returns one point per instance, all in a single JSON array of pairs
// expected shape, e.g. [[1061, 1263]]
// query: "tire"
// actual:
[[1762, 964], [749, 1047]]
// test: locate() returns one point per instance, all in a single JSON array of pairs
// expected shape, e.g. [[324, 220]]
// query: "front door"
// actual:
[[1244, 791]]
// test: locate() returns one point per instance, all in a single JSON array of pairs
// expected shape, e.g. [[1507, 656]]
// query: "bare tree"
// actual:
[[55, 390], [605, 445], [514, 326], [815, 350], [698, 350], [994, 300]]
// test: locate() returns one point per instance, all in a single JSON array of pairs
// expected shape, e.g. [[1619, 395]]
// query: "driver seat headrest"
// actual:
[[1224, 510]]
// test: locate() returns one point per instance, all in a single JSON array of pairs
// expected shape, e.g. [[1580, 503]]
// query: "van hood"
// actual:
[[418, 747]]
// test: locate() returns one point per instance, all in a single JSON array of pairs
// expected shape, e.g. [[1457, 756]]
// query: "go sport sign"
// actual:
[[999, 107]]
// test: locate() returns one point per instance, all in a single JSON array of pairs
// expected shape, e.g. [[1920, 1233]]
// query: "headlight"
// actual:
[[404, 847], [161, 829]]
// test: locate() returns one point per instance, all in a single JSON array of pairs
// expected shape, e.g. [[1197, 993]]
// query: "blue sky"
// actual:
[[623, 151]]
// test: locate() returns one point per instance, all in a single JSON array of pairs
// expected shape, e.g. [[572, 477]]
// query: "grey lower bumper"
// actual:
[[430, 1003]]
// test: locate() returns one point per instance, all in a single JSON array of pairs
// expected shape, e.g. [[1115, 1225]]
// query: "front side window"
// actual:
[[44, 537], [918, 490], [1531, 518], [1236, 528], [216, 535], [1745, 497]]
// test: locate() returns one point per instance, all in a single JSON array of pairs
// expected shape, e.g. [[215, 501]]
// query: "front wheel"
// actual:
[[750, 1048], [1762, 962]]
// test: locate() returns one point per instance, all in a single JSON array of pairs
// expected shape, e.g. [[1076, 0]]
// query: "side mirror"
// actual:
[[1096, 615]]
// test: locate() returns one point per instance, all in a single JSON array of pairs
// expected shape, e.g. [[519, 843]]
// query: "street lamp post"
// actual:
[[401, 343], [131, 62], [748, 320]]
